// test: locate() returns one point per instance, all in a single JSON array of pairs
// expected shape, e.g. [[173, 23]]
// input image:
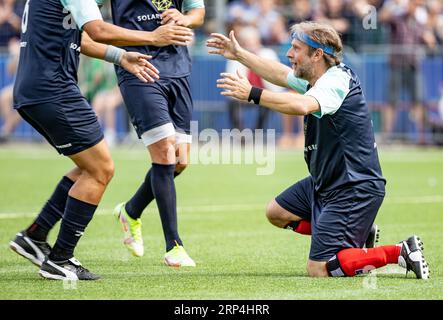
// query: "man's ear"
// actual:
[[318, 54]]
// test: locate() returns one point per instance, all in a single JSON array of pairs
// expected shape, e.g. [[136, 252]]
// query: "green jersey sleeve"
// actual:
[[83, 11], [192, 4], [299, 85], [330, 91]]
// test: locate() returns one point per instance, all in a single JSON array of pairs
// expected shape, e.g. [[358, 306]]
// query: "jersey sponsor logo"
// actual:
[[162, 4], [75, 46], [149, 17]]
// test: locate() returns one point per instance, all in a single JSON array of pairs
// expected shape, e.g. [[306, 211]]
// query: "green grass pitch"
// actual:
[[239, 255]]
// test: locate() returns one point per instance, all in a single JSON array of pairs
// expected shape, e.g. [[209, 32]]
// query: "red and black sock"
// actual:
[[355, 261], [302, 227]]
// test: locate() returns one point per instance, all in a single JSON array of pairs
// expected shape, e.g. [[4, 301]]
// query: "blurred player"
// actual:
[[161, 114], [11, 117], [340, 199], [47, 96]]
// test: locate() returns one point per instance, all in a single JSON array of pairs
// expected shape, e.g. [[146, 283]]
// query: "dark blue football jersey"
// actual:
[[340, 148], [145, 15], [50, 49]]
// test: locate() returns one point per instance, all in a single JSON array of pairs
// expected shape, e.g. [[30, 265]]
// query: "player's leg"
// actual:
[[408, 254], [72, 128], [292, 208], [131, 211], [340, 221], [181, 105], [148, 108], [145, 106], [340, 230], [97, 169], [144, 195], [31, 243], [177, 256], [53, 210]]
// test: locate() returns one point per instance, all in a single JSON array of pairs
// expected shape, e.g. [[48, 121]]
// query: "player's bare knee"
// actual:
[[109, 171], [103, 173], [163, 151], [74, 174], [272, 213]]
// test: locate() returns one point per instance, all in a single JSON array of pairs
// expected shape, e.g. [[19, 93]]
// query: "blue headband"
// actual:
[[303, 37]]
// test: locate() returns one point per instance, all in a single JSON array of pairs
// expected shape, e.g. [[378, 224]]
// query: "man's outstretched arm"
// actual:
[[238, 87], [270, 70]]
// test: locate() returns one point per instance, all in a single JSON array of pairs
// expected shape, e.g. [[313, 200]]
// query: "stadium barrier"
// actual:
[[211, 108]]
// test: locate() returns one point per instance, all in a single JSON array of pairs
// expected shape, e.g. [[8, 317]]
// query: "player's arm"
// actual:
[[193, 16], [270, 70], [133, 62], [88, 17], [238, 87], [166, 35]]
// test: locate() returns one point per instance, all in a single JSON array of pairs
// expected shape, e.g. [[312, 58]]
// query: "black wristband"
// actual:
[[255, 95]]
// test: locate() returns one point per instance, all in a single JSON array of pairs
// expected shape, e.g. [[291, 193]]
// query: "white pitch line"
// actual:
[[236, 207], [203, 208]]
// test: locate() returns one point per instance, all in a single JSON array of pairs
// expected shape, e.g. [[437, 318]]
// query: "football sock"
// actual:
[[302, 227], [51, 212], [142, 197], [76, 217], [163, 187], [354, 261]]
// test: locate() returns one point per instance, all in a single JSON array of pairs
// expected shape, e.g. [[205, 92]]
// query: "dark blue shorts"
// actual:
[[70, 126], [341, 219], [151, 105]]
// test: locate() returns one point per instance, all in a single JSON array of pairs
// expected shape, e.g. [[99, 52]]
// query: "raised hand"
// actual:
[[224, 46], [236, 86], [172, 34], [138, 64]]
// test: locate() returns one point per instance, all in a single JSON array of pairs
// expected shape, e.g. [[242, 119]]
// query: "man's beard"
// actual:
[[303, 72]]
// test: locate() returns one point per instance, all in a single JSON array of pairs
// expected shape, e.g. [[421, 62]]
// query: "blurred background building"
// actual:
[[396, 47]]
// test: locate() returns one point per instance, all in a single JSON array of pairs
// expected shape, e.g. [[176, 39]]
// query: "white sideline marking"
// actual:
[[235, 207], [203, 208]]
